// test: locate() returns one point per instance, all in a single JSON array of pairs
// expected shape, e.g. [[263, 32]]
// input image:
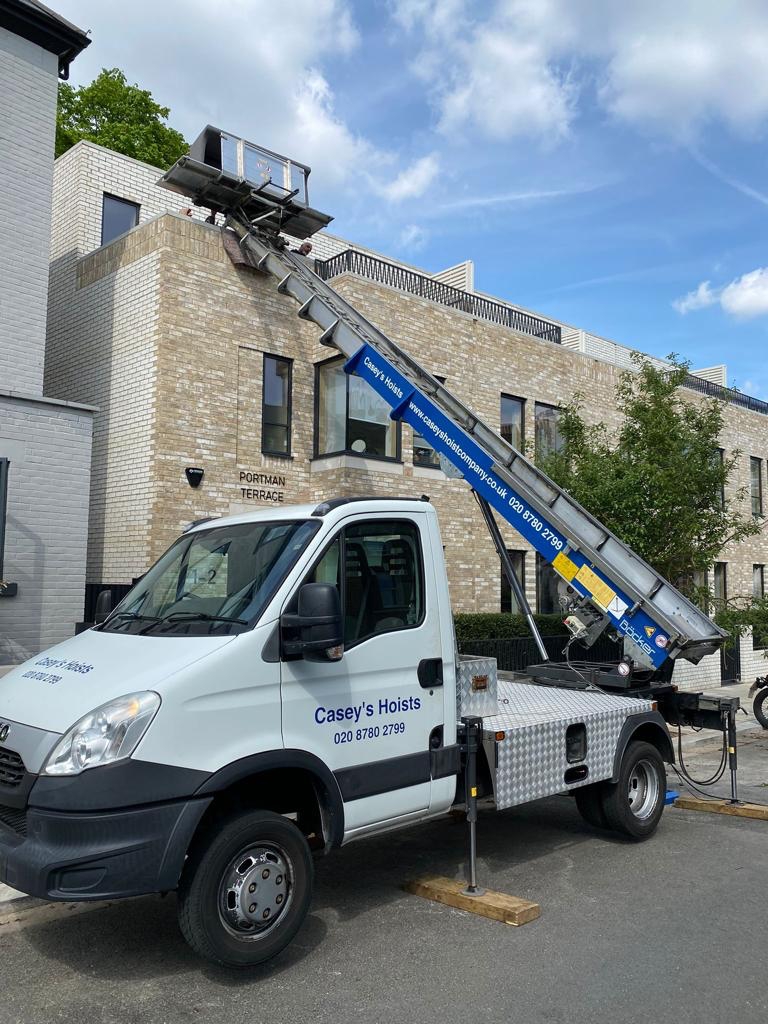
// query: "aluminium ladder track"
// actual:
[[655, 619]]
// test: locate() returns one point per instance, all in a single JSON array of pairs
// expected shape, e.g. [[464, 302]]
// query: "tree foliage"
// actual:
[[117, 115], [659, 482]]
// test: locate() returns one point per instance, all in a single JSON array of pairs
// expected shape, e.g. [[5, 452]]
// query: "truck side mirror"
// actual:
[[318, 624], [103, 606]]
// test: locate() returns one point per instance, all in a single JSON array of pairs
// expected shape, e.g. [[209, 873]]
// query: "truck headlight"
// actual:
[[107, 734]]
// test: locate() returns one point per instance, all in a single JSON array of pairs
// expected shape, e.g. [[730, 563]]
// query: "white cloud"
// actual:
[[747, 296], [237, 65], [413, 237], [699, 298], [414, 180], [744, 298], [665, 67]]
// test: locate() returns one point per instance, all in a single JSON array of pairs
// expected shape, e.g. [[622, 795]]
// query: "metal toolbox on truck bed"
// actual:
[[555, 740], [476, 687]]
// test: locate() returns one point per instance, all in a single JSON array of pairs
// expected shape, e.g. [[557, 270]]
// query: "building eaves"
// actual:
[[40, 25]]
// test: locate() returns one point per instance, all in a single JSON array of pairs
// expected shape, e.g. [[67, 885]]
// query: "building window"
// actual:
[[547, 430], [513, 421], [701, 585], [351, 418], [508, 599], [547, 593], [117, 217], [276, 406], [756, 485], [758, 582], [4, 464], [423, 452], [721, 456], [721, 584]]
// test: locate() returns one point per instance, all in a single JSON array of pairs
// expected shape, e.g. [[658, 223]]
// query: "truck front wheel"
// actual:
[[246, 889], [634, 804]]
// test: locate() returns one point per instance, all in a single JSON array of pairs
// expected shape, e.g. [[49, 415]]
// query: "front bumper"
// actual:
[[98, 855]]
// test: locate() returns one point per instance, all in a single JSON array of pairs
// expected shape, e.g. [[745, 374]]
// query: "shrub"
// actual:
[[471, 626]]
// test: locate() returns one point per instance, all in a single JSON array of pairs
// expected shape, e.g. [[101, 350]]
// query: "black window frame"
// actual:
[[317, 454], [5, 465], [522, 401], [505, 588], [434, 463], [541, 565], [720, 601], [125, 202], [283, 359], [754, 460], [292, 604], [761, 567], [543, 405]]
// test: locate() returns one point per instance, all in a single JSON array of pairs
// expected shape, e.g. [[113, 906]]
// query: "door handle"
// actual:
[[430, 673]]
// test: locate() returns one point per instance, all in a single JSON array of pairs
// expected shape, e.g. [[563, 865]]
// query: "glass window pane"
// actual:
[[756, 485], [229, 155], [547, 594], [382, 579], [370, 431], [721, 584], [758, 581], [508, 600], [276, 427], [423, 452], [117, 217], [548, 438], [331, 408], [512, 420]]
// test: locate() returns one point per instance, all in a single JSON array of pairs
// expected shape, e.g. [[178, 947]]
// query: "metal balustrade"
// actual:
[[353, 262]]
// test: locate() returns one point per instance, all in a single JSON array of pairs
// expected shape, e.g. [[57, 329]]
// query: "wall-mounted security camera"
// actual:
[[194, 475]]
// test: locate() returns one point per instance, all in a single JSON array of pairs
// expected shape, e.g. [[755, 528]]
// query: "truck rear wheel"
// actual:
[[760, 708], [246, 889], [633, 806]]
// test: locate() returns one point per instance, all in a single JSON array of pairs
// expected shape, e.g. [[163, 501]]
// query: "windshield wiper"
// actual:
[[128, 617], [191, 617]]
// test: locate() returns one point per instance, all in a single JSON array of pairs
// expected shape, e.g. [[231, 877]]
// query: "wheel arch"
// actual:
[[274, 780], [650, 727]]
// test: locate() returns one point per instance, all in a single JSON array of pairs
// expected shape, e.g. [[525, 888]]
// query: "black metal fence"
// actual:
[[706, 387], [514, 654], [353, 262]]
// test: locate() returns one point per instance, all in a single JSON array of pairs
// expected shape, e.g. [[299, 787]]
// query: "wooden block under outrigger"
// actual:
[[498, 906]]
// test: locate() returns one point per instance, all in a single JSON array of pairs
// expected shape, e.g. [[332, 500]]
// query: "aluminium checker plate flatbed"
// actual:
[[531, 762]]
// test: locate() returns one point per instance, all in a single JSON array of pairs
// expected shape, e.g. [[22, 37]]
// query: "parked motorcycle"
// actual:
[[760, 705]]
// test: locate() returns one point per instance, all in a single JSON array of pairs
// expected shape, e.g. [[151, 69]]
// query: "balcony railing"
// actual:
[[706, 387], [352, 262]]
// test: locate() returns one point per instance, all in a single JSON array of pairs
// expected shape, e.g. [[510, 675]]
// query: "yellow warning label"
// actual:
[[599, 590], [564, 566], [649, 631]]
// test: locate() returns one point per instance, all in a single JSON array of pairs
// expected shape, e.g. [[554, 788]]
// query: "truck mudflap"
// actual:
[[84, 856], [547, 740]]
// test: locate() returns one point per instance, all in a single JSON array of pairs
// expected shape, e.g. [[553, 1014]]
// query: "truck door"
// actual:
[[370, 716]]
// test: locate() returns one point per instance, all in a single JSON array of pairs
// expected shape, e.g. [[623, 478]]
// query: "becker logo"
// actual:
[[4, 730]]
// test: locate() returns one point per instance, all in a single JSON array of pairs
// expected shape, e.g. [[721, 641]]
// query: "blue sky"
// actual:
[[601, 162]]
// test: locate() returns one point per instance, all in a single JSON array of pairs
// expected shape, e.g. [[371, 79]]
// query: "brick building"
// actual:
[[194, 362], [45, 443]]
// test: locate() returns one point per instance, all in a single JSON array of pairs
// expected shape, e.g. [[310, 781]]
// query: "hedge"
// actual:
[[471, 626]]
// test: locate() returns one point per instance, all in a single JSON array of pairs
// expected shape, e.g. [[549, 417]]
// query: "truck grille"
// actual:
[[14, 818], [11, 768]]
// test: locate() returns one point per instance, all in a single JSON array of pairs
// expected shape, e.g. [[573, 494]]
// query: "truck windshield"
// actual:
[[212, 582]]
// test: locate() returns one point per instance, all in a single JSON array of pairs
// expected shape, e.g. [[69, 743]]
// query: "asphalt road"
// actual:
[[674, 929]]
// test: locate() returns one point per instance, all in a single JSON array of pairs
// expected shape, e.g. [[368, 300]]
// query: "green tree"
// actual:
[[119, 116], [657, 483]]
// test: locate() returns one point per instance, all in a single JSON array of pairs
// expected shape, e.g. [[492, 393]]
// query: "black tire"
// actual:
[[633, 806], [590, 804], [216, 915], [760, 708]]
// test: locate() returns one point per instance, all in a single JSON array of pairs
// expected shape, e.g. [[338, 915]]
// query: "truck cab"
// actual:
[[295, 664]]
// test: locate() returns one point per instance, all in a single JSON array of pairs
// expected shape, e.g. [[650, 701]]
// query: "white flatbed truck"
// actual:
[[286, 681]]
